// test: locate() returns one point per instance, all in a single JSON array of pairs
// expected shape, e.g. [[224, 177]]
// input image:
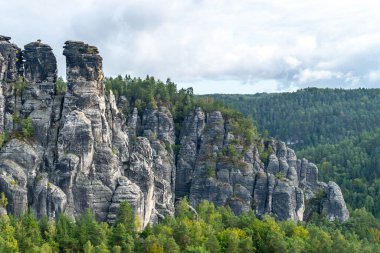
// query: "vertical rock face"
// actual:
[[11, 69], [87, 163], [158, 128], [85, 155], [38, 98], [190, 142]]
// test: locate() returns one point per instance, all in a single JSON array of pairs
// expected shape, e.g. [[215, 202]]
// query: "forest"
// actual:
[[310, 116], [208, 229]]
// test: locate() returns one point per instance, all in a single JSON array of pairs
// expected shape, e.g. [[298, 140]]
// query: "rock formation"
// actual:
[[84, 154]]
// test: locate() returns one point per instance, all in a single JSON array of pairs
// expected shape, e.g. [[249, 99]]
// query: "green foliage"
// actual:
[[4, 137], [352, 163], [67, 231], [90, 230], [310, 116], [265, 154], [8, 241], [19, 86], [23, 126], [61, 86], [88, 248], [280, 175], [149, 93], [210, 171], [3, 200], [27, 232], [212, 230], [126, 217], [27, 127], [230, 152]]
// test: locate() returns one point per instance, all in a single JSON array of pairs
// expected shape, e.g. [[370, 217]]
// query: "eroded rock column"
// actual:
[[88, 164]]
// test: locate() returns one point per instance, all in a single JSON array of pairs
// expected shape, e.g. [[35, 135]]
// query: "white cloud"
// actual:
[[307, 75], [374, 75], [290, 43], [292, 62]]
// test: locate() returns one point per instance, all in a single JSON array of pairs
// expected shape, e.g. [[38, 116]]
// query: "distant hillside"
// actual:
[[311, 116]]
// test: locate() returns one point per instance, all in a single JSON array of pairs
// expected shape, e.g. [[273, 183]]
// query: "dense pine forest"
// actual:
[[337, 129], [310, 116]]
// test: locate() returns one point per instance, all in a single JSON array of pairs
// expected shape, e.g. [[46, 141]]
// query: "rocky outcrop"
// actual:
[[85, 154], [39, 98], [213, 165]]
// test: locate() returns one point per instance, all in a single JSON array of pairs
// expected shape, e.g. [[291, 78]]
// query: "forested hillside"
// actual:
[[311, 116], [337, 129]]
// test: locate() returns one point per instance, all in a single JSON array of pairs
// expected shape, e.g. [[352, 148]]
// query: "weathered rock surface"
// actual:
[[206, 169], [85, 154], [11, 68]]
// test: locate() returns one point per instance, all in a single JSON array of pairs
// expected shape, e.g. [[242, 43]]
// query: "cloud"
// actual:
[[307, 75], [374, 75], [288, 44]]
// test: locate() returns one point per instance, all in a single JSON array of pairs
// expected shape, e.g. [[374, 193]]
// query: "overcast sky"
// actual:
[[215, 46]]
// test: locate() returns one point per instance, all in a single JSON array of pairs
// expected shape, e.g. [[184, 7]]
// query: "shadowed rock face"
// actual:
[[11, 68], [82, 156]]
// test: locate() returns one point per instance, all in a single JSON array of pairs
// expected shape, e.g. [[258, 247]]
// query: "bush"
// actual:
[[23, 126], [4, 137], [19, 86], [60, 86]]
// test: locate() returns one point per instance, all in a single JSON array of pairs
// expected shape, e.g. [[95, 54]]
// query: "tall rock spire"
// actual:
[[11, 69]]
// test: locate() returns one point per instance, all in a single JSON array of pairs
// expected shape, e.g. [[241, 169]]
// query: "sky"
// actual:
[[215, 46]]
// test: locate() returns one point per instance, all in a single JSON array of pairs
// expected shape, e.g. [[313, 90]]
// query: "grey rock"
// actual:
[[19, 163], [190, 142], [126, 190], [133, 124], [11, 69], [334, 206], [39, 98], [284, 202]]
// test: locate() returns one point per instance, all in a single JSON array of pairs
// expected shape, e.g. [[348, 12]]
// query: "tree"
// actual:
[[212, 244], [19, 86], [101, 248], [152, 245], [170, 246], [90, 230], [8, 242], [126, 217], [61, 86], [67, 237], [3, 200], [28, 232], [88, 248]]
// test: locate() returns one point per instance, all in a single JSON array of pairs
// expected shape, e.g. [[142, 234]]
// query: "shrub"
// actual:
[[3, 200], [60, 86], [19, 86]]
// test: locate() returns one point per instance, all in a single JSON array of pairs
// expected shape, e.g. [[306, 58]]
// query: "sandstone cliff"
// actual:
[[85, 154]]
